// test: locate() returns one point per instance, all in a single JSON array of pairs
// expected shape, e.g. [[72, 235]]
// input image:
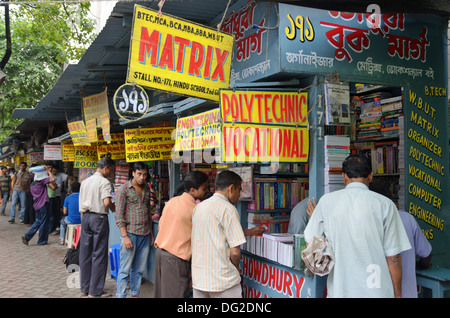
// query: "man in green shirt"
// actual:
[[5, 182]]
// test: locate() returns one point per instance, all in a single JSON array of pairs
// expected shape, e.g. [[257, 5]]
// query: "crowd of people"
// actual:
[[39, 198], [199, 237]]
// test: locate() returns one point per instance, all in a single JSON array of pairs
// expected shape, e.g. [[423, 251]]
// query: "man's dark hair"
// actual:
[[193, 179], [75, 187], [139, 165], [105, 162], [226, 178], [23, 163], [357, 166]]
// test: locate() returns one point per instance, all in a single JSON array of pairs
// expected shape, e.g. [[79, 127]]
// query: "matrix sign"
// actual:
[[174, 55]]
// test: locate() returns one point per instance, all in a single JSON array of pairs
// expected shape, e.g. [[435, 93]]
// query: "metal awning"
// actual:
[[105, 62], [59, 139]]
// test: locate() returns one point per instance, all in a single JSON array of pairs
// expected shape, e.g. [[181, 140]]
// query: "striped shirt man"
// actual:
[[132, 210], [215, 229], [5, 182]]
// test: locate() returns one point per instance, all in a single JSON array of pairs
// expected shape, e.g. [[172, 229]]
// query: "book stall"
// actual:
[[295, 95], [281, 94], [299, 106]]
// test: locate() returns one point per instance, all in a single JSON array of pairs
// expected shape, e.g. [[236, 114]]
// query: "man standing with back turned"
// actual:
[[135, 224], [366, 235], [94, 202], [216, 238]]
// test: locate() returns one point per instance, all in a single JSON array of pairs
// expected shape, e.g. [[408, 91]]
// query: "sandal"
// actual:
[[103, 295], [61, 242]]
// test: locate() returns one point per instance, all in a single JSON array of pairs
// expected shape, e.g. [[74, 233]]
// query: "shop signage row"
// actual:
[[250, 126], [87, 156]]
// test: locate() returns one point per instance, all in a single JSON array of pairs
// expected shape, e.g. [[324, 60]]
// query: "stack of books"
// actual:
[[283, 248], [369, 120], [275, 247], [392, 109], [337, 148], [378, 116]]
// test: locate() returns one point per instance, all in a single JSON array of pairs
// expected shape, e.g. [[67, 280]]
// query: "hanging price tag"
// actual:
[[131, 102]]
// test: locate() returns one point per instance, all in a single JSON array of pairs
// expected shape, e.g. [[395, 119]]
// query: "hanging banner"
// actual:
[[114, 149], [171, 54], [68, 151], [104, 122], [78, 133], [95, 105], [201, 131], [264, 126], [91, 128], [148, 144], [86, 156]]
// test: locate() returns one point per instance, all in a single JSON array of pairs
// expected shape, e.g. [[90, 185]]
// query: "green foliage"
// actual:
[[44, 37]]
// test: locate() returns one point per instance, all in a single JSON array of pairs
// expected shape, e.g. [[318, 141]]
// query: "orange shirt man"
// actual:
[[173, 242]]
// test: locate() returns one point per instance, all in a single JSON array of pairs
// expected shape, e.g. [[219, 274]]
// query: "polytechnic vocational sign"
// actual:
[[174, 55], [264, 126]]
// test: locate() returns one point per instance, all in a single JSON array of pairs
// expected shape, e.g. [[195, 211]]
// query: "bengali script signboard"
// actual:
[[114, 149], [264, 126], [148, 144], [395, 49], [178, 56], [67, 150]]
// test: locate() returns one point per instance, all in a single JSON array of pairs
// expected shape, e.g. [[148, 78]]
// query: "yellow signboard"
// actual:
[[86, 156], [114, 149], [148, 144], [95, 105], [68, 150], [264, 126], [91, 128], [175, 55], [201, 131], [78, 133]]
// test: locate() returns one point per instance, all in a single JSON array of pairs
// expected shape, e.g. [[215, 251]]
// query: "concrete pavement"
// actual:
[[34, 271]]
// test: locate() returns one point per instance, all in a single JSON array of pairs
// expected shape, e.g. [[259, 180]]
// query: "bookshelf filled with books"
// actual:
[[276, 190], [375, 129]]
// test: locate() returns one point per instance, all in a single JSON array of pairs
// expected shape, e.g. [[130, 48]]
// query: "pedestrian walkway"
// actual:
[[35, 271]]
